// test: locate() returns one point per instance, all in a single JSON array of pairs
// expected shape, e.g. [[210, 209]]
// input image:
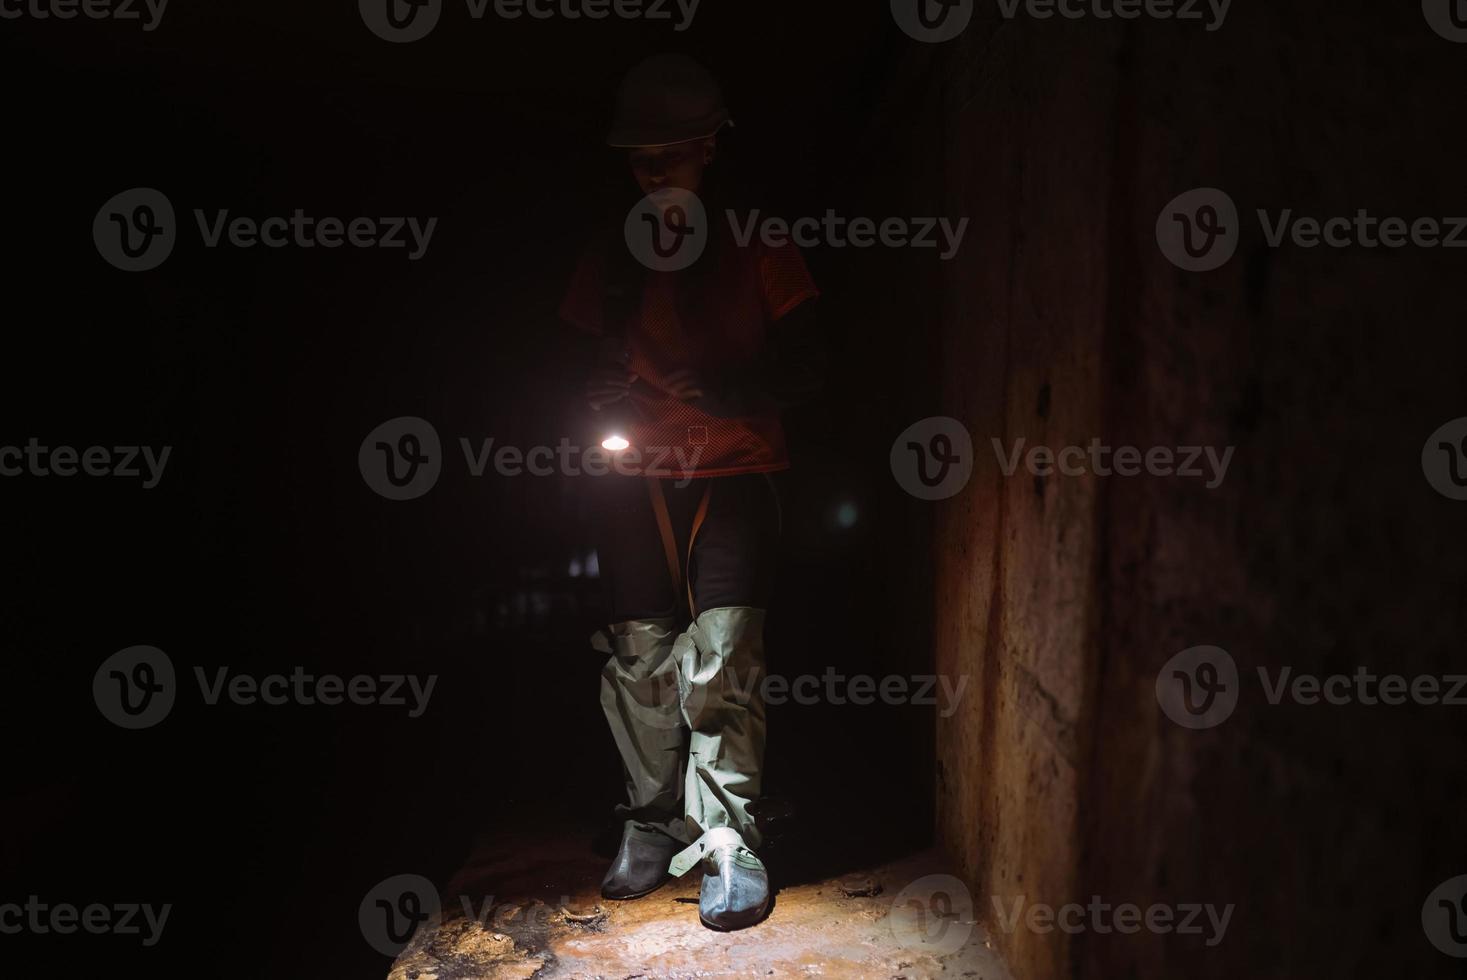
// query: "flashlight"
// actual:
[[616, 425]]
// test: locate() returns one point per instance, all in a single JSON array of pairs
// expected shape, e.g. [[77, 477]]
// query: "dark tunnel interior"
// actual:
[[1034, 611]]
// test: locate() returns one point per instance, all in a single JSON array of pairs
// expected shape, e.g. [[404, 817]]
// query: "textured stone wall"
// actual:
[[1323, 550], [1024, 319]]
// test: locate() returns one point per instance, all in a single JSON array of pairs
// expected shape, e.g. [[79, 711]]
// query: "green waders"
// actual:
[[701, 690]]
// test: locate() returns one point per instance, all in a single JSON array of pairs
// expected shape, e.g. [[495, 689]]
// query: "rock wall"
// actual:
[[1322, 550]]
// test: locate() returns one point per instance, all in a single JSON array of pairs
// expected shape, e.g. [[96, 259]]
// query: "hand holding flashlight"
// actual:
[[607, 385], [609, 381]]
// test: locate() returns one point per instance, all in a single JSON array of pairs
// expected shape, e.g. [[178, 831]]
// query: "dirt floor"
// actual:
[[528, 906]]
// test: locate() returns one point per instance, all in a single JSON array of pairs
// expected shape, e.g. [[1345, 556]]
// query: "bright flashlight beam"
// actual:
[[614, 444]]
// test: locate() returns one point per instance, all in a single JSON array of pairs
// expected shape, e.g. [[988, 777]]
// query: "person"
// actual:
[[692, 366]]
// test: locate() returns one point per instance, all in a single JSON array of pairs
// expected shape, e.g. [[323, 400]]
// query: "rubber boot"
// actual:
[[639, 694], [720, 675], [735, 889], [641, 863]]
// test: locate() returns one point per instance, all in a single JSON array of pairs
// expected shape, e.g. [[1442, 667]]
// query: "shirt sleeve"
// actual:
[[582, 306], [785, 280]]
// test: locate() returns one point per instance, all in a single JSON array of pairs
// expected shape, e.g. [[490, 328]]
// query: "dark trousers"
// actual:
[[733, 555]]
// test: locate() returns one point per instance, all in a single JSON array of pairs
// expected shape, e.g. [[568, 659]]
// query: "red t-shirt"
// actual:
[[751, 290]]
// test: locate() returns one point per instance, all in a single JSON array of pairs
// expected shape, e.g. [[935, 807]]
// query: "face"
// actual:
[[680, 165]]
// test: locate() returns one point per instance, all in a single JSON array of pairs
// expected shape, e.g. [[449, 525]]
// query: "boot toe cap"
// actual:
[[640, 865], [736, 897]]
